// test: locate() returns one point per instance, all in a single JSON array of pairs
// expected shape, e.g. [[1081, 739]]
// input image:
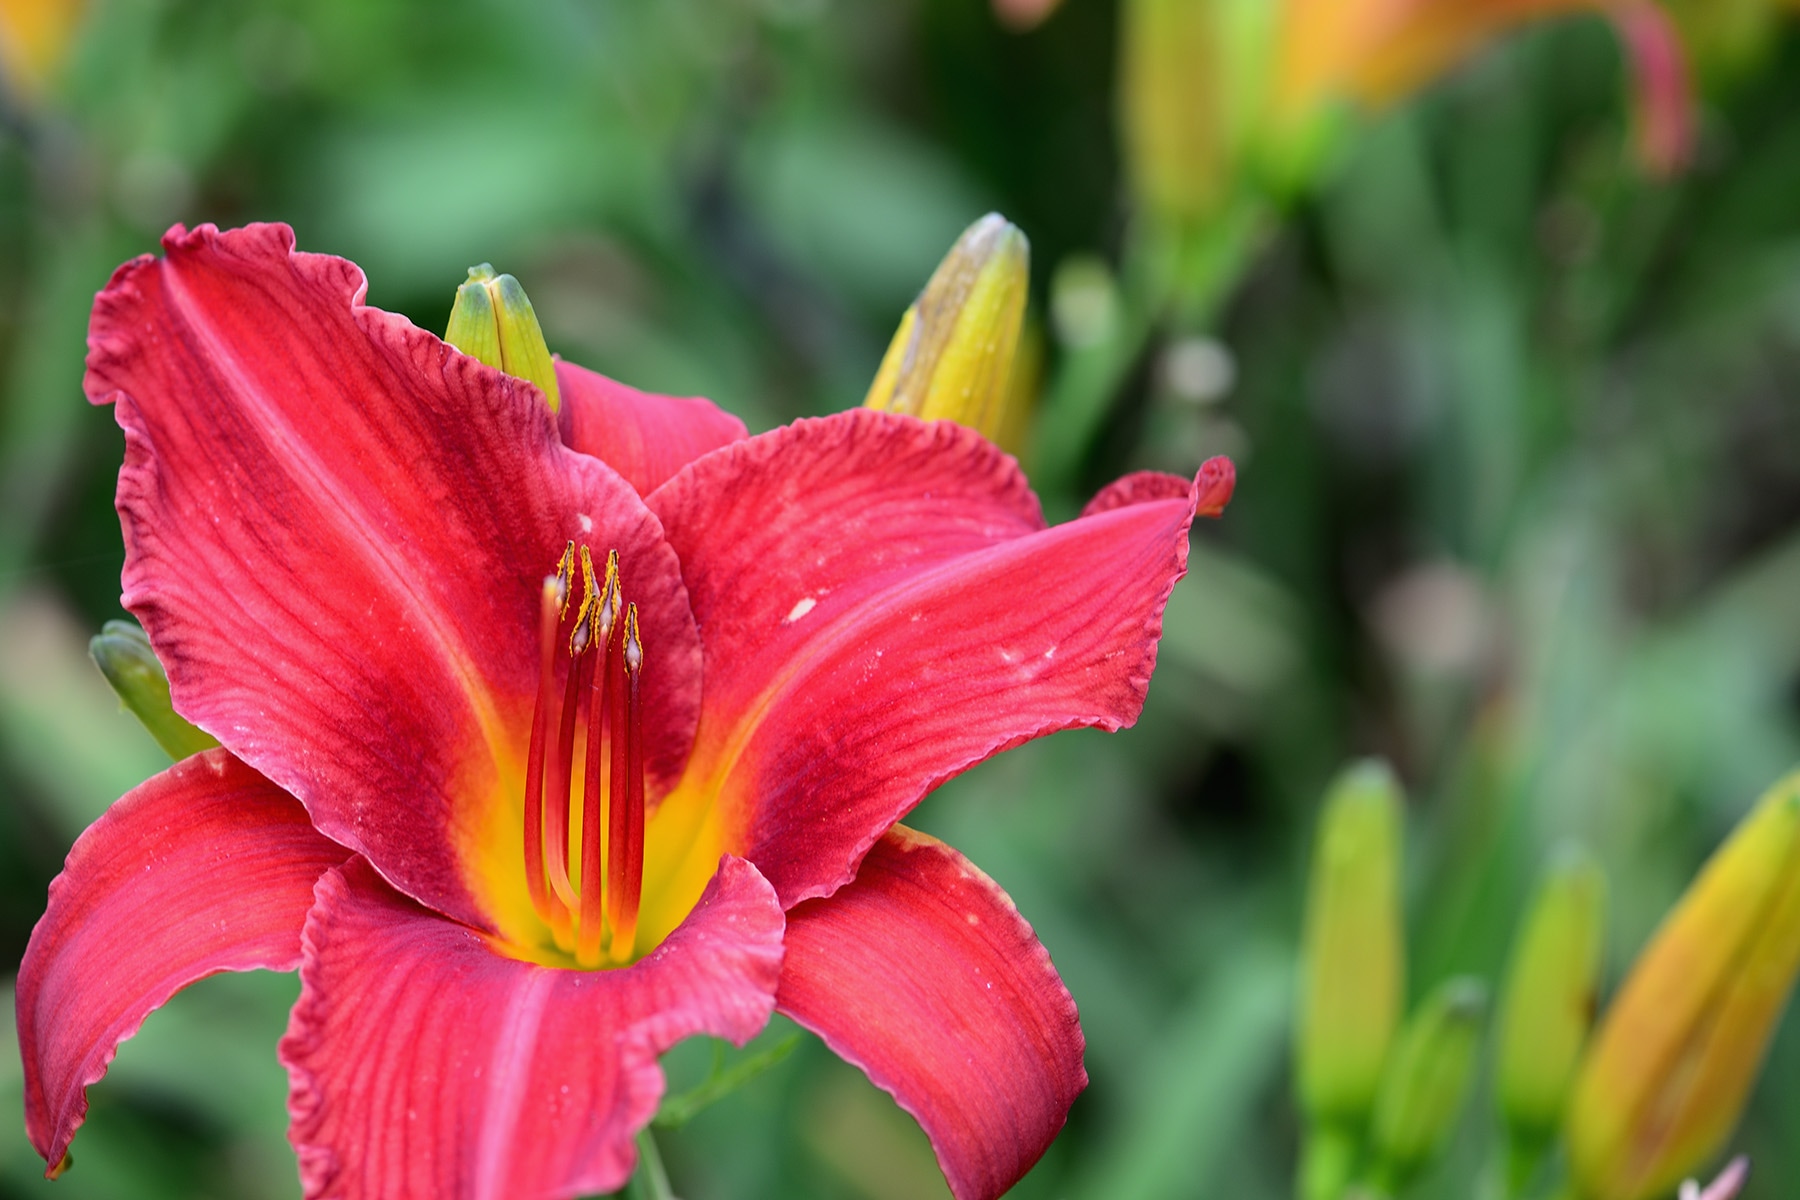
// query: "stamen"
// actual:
[[593, 793], [555, 596], [556, 799], [625, 868], [565, 577]]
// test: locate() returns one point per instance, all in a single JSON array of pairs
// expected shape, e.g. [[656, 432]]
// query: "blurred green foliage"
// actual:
[[1519, 501]]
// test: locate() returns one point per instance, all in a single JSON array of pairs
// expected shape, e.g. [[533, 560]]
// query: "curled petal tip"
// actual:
[[1214, 485]]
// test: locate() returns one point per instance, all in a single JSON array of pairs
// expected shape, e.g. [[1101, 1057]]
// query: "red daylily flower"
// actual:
[[338, 532]]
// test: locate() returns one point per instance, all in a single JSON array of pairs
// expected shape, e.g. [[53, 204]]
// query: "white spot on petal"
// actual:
[[587, 522], [801, 607]]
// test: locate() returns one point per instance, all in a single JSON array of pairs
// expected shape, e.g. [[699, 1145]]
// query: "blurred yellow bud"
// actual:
[[1672, 1063], [1426, 1081], [953, 356], [123, 654], [493, 321], [1171, 105], [1353, 957], [1548, 1001]]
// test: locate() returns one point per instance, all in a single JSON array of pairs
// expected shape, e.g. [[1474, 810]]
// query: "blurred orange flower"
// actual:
[[35, 36], [1377, 52]]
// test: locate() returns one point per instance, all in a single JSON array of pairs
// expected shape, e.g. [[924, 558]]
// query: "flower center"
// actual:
[[591, 903]]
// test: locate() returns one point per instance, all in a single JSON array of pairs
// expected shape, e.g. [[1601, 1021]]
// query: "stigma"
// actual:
[[587, 893]]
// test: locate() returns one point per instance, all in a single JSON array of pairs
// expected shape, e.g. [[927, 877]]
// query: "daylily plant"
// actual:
[[551, 738]]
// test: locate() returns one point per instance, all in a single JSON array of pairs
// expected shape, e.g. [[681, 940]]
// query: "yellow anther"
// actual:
[[565, 569], [609, 597], [582, 636], [634, 649]]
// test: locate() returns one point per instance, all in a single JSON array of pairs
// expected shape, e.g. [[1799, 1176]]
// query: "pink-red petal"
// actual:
[[641, 435], [922, 973], [882, 609], [206, 867], [1212, 489], [336, 532], [425, 1066], [1663, 93]]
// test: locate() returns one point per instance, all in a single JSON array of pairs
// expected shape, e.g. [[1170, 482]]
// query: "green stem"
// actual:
[[1327, 1162], [1523, 1157], [651, 1182], [1171, 276]]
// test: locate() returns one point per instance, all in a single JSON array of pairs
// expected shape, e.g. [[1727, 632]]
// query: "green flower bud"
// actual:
[[493, 321], [1353, 958], [1427, 1080], [1671, 1066], [1548, 1001], [123, 654], [953, 355]]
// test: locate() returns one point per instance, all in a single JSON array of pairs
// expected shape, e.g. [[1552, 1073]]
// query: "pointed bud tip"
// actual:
[[953, 355], [993, 238], [493, 322]]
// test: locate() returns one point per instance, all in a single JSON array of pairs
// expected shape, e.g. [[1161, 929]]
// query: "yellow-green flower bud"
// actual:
[[1427, 1080], [1548, 1001], [1353, 964], [123, 654], [1671, 1066], [1171, 105], [493, 321], [953, 355]]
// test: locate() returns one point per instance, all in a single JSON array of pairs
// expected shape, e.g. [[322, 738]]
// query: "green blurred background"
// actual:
[[1518, 436]]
